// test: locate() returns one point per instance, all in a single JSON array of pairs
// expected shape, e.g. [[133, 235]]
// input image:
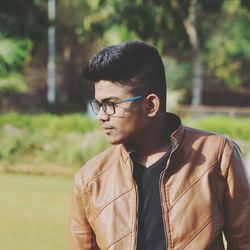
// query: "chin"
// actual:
[[115, 140]]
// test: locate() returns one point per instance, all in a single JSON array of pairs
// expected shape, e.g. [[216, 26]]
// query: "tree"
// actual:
[[186, 30], [24, 19], [14, 54], [171, 25], [21, 27], [227, 52]]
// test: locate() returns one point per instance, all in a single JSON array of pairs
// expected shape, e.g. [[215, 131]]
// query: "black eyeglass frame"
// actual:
[[96, 106]]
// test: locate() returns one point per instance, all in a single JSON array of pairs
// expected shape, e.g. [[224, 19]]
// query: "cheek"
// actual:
[[132, 124], [130, 121], [126, 130]]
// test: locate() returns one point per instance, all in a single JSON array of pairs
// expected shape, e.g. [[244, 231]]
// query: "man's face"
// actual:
[[129, 120]]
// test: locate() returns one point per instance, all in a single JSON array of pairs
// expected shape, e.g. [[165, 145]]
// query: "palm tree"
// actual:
[[14, 54]]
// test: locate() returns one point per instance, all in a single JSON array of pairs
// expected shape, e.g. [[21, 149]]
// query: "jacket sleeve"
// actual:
[[81, 235], [237, 199]]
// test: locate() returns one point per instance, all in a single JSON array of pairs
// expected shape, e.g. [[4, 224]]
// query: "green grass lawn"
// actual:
[[34, 212]]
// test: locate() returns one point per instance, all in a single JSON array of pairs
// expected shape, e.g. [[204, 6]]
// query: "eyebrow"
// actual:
[[109, 98]]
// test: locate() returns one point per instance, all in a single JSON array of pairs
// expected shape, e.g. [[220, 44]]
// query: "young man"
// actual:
[[160, 185]]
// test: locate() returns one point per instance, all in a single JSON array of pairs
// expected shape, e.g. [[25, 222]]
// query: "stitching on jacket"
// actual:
[[198, 232], [133, 216], [130, 232], [101, 172], [117, 197], [134, 220], [212, 165], [171, 243], [125, 163]]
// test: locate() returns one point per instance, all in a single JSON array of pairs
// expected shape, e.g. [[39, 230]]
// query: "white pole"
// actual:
[[51, 91]]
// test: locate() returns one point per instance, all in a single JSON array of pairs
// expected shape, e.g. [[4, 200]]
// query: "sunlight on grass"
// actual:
[[34, 212]]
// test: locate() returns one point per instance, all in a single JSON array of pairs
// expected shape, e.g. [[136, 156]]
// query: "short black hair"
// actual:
[[134, 63]]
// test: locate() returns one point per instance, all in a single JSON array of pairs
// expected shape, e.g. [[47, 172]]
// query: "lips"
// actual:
[[107, 128]]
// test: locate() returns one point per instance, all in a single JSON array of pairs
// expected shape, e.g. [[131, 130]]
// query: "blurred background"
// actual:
[[46, 129]]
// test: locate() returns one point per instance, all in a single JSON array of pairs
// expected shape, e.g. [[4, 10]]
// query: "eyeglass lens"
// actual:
[[108, 108]]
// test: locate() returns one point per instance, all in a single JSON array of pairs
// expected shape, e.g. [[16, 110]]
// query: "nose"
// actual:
[[102, 116]]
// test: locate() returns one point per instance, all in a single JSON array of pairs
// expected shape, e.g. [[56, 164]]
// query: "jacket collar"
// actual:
[[175, 131]]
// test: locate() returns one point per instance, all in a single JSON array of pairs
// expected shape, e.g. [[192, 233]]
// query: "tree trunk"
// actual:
[[190, 25], [197, 79], [189, 22]]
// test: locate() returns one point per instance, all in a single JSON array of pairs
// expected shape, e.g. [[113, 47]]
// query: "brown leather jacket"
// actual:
[[205, 191]]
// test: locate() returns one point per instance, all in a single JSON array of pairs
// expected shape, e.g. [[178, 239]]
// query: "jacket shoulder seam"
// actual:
[[101, 172]]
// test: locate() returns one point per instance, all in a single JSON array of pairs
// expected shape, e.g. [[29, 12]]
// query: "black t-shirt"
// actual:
[[151, 233]]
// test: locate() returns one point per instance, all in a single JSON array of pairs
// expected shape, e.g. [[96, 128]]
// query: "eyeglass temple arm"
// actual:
[[130, 99]]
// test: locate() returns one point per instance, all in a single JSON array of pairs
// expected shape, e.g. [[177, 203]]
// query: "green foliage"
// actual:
[[119, 33], [228, 46], [46, 141], [24, 19], [234, 128], [14, 55], [151, 21], [174, 99], [60, 144], [13, 82], [222, 29], [177, 73]]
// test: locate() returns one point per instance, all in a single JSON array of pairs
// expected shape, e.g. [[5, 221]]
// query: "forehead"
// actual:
[[106, 89]]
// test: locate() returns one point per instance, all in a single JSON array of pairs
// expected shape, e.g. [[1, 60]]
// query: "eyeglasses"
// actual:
[[109, 107]]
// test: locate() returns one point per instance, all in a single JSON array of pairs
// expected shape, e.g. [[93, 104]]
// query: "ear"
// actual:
[[152, 105]]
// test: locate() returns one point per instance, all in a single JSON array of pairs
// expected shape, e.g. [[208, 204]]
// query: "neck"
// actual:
[[153, 143]]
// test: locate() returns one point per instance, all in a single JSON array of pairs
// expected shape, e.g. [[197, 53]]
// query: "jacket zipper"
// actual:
[[136, 229], [137, 205], [161, 196]]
